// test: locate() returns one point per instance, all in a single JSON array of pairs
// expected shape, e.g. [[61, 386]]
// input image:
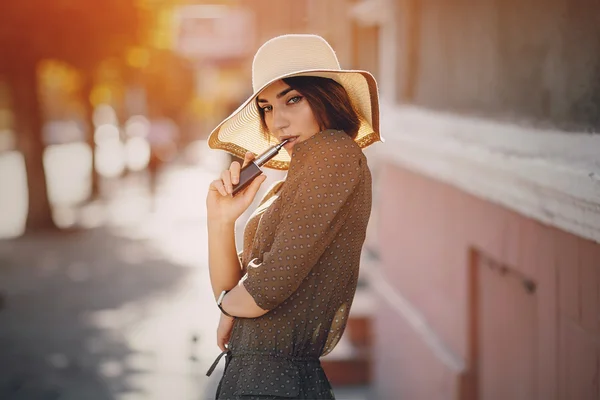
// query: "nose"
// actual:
[[280, 120]]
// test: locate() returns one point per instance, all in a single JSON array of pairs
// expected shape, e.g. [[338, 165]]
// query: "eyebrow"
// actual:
[[279, 95]]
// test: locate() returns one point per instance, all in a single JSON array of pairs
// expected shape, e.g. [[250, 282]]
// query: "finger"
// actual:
[[234, 170], [226, 178], [221, 344], [248, 158], [252, 189], [219, 187]]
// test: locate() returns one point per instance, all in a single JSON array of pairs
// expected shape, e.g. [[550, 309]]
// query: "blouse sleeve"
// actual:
[[314, 208]]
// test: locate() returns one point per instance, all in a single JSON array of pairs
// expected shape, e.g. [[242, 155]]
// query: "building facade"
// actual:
[[488, 277], [485, 236]]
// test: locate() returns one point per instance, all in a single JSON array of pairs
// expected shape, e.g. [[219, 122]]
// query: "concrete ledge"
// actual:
[[407, 366], [550, 176], [417, 323]]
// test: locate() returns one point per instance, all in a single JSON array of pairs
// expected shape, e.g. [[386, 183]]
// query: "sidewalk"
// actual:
[[120, 311]]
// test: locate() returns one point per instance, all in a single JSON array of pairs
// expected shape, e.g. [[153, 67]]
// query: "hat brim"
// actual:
[[242, 132]]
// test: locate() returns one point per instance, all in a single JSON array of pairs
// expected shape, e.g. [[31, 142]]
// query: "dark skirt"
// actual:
[[265, 377]]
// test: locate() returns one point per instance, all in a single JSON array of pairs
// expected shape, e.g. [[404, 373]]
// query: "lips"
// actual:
[[292, 139], [290, 144]]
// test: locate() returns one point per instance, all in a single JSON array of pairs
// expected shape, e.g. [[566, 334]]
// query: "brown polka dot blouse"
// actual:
[[301, 257]]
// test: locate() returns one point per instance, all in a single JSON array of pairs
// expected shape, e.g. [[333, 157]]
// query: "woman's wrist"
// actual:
[[220, 304], [227, 317], [220, 223]]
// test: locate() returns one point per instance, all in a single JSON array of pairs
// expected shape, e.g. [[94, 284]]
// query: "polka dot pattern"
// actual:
[[301, 257]]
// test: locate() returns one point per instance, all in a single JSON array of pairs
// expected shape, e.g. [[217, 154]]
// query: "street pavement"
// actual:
[[119, 305]]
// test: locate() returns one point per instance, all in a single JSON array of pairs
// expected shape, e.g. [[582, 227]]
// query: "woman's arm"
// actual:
[[239, 303], [224, 265], [226, 272]]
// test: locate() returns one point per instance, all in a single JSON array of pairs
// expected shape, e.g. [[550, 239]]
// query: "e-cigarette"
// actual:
[[252, 170]]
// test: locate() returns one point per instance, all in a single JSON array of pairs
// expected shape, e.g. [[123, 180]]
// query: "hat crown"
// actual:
[[289, 54]]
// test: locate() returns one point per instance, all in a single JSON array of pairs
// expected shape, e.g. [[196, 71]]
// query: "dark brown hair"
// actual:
[[329, 102]]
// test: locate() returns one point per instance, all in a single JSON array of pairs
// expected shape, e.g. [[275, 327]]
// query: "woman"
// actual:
[[285, 299]]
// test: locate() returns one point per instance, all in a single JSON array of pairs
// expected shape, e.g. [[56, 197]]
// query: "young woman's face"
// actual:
[[287, 114]]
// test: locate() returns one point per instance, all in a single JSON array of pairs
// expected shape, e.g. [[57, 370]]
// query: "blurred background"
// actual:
[[481, 271]]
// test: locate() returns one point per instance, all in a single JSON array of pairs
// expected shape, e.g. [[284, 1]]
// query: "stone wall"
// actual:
[[529, 61]]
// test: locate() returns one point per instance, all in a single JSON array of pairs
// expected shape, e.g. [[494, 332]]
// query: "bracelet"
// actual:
[[220, 300]]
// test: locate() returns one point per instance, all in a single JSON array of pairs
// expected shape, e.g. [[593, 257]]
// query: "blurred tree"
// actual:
[[170, 93], [80, 33]]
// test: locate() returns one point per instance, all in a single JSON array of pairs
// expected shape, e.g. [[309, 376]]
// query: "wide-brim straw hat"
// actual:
[[284, 57]]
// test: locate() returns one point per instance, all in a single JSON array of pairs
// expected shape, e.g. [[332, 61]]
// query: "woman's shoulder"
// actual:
[[328, 143]]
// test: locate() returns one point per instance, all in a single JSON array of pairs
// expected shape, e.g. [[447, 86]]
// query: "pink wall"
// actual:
[[465, 265]]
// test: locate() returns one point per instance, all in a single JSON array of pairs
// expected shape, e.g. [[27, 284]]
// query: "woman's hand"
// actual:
[[224, 331], [221, 205]]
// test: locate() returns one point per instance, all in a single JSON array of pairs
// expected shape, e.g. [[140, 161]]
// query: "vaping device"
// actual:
[[252, 170]]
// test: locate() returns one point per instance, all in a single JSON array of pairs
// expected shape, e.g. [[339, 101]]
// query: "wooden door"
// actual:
[[504, 325]]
